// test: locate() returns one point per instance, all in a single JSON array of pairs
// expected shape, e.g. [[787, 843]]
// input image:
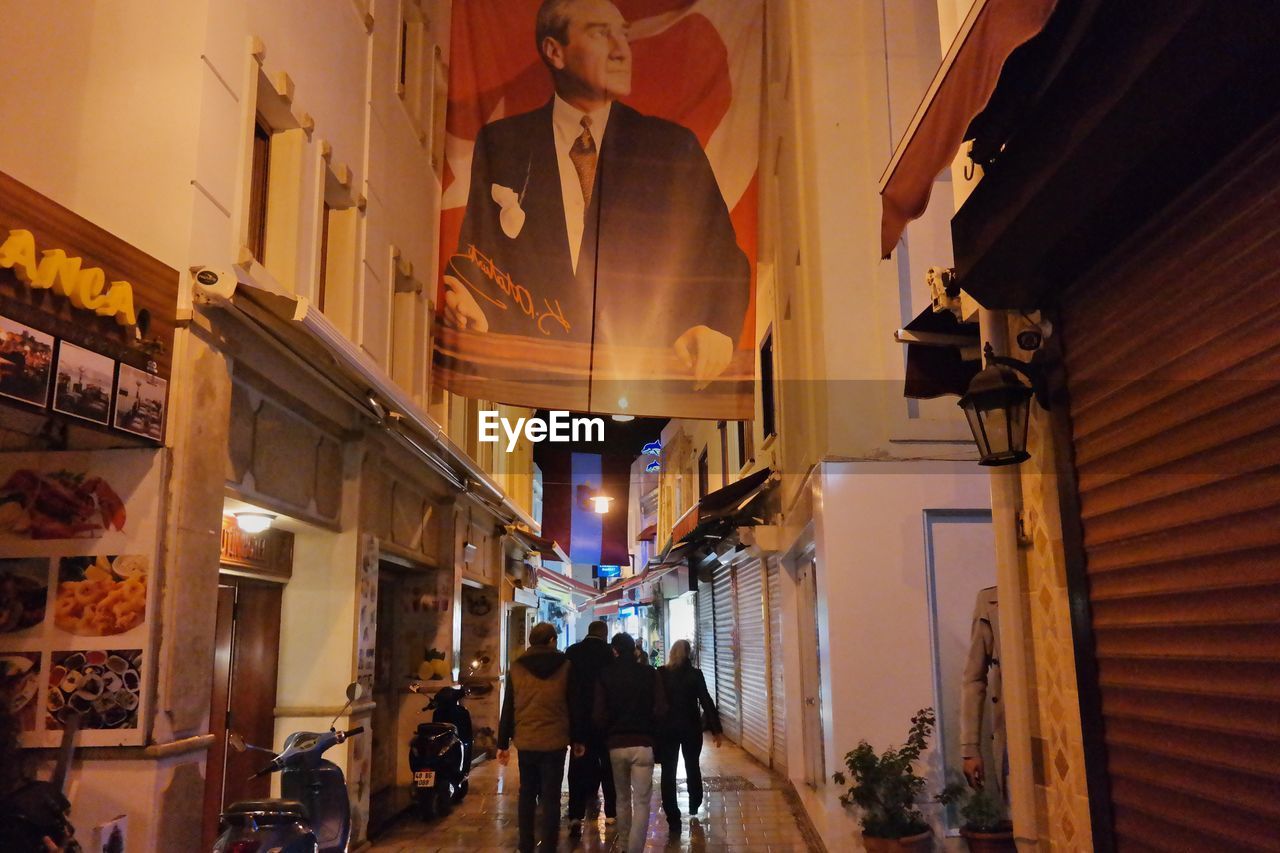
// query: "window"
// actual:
[[259, 180], [745, 451], [415, 67], [768, 422], [704, 475]]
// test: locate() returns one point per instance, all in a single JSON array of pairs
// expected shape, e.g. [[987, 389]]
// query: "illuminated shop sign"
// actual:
[[87, 289]]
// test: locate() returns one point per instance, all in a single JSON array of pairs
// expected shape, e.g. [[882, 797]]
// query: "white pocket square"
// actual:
[[511, 216]]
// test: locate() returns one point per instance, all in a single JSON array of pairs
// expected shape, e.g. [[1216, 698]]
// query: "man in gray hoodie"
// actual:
[[535, 714]]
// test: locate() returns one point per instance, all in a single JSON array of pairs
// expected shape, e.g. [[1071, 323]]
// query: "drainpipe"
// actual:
[[1015, 628]]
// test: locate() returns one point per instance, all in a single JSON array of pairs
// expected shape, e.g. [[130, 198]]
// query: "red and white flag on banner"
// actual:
[[599, 226]]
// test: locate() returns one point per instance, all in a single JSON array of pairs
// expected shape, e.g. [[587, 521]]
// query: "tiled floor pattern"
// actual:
[[746, 808]]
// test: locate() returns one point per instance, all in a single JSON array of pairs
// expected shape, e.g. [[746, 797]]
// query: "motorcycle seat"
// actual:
[[267, 809], [436, 729]]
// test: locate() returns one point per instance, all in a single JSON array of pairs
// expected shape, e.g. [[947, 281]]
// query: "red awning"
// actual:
[[960, 90], [648, 534]]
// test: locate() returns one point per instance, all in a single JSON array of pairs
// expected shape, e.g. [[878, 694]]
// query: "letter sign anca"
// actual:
[[85, 289]]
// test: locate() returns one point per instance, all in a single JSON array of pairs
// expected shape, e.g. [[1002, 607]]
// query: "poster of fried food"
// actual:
[[79, 539], [101, 596]]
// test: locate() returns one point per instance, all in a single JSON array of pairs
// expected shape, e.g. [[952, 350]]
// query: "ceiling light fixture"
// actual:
[[253, 522]]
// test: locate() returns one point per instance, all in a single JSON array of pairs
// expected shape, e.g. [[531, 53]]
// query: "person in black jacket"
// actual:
[[685, 689], [630, 705], [590, 771]]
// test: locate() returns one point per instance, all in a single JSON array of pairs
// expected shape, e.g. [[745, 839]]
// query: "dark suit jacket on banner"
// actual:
[[658, 249]]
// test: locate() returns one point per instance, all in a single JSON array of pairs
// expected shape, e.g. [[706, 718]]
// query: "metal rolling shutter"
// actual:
[[778, 755], [726, 656], [753, 659], [706, 651], [1173, 367]]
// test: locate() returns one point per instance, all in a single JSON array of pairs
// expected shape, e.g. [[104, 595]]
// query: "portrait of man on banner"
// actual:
[[603, 219]]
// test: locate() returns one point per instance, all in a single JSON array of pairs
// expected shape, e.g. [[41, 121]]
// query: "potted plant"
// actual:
[[985, 827], [885, 788]]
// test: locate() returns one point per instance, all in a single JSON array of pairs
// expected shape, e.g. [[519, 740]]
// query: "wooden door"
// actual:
[[246, 663], [218, 713]]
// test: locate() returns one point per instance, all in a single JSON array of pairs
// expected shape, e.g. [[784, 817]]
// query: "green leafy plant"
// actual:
[[885, 787], [981, 811]]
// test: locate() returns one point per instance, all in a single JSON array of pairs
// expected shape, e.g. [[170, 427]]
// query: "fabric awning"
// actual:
[[566, 583], [548, 549], [720, 503], [961, 88], [943, 355], [648, 534]]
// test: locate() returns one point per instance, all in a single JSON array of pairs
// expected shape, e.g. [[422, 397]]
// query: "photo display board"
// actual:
[[79, 533]]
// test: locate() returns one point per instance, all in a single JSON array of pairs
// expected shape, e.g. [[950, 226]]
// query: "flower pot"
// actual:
[[1000, 841], [911, 844]]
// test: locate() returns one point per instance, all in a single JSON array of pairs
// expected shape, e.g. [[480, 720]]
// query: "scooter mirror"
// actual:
[[236, 741], [354, 691]]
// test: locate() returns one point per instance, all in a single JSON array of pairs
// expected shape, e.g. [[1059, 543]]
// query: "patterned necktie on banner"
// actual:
[[584, 157]]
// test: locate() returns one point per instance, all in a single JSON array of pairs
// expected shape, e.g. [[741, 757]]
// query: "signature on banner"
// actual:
[[524, 300]]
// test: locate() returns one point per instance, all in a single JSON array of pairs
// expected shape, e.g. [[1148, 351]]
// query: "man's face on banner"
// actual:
[[598, 55]]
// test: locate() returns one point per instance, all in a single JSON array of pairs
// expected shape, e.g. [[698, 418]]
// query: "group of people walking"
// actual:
[[619, 716]]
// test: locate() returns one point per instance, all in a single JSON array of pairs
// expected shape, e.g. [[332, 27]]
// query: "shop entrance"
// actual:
[[414, 636], [246, 664]]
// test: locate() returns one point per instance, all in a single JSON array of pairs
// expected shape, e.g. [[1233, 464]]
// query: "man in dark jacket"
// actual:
[[630, 703], [590, 771], [535, 713], [688, 705]]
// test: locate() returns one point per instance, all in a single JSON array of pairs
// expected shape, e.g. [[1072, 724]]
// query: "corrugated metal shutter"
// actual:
[[778, 754], [1173, 369], [706, 651], [726, 657], [753, 659]]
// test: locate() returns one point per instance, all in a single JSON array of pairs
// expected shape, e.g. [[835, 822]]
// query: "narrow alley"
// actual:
[[747, 808]]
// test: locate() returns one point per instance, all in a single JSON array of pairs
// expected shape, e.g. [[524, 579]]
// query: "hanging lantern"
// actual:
[[997, 405]]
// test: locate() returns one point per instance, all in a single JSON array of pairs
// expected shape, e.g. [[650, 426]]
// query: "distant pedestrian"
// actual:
[[535, 713], [629, 706], [589, 771], [686, 689]]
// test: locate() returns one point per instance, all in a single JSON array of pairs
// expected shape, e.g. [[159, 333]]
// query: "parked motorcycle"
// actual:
[[440, 754], [313, 816]]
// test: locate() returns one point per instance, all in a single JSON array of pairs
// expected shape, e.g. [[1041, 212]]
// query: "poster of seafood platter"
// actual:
[[79, 534]]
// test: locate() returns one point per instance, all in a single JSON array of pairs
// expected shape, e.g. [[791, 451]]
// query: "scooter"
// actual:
[[314, 815], [440, 754]]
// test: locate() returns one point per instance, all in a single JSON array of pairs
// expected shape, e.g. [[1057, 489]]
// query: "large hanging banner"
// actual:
[[599, 222]]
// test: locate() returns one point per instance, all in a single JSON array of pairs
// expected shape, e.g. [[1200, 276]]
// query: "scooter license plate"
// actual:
[[424, 778]]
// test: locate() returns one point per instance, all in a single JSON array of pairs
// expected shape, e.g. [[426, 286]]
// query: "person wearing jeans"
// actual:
[[589, 772], [535, 715], [689, 710], [629, 704]]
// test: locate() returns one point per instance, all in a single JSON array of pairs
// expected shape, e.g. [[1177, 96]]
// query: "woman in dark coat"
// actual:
[[686, 690]]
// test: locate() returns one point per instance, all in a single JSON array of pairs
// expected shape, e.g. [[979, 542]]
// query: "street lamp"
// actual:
[[600, 503], [998, 404]]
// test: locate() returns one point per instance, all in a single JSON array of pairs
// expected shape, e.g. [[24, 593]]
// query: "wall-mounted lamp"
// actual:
[[253, 522], [997, 405], [600, 503]]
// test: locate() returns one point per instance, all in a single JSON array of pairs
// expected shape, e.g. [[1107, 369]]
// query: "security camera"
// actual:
[[1029, 340], [214, 283]]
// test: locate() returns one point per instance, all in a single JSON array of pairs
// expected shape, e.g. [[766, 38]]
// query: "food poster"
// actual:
[[79, 532]]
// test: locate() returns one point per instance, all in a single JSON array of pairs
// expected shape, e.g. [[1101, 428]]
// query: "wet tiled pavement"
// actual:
[[746, 807]]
